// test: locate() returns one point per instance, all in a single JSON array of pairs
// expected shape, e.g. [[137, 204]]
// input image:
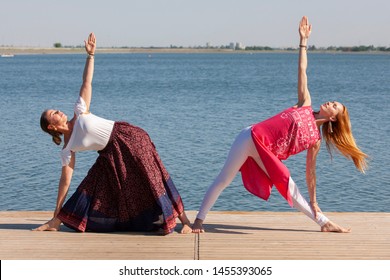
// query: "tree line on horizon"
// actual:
[[361, 48]]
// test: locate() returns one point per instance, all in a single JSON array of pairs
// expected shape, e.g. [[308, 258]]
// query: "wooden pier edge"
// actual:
[[229, 236]]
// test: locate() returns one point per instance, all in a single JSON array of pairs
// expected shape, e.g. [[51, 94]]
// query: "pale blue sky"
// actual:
[[274, 23]]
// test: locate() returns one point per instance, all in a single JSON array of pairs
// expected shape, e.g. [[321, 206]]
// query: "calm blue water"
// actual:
[[193, 106]]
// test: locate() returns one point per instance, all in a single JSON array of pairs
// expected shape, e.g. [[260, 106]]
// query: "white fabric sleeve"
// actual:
[[80, 107], [301, 204], [65, 157]]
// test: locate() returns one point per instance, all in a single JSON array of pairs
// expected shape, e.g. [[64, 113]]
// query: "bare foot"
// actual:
[[186, 223], [186, 229], [198, 226], [52, 225], [333, 227]]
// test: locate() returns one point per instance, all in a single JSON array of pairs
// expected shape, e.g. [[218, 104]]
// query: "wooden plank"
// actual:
[[229, 235], [286, 236], [17, 241]]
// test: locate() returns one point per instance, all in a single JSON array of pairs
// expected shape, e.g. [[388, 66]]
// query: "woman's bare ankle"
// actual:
[[184, 219], [333, 227], [197, 227]]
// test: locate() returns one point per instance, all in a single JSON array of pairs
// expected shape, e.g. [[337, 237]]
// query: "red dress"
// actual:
[[288, 133]]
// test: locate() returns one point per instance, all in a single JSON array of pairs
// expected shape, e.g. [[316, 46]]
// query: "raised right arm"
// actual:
[[303, 90], [86, 87]]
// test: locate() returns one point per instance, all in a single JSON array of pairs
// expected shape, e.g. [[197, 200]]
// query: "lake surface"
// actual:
[[193, 106]]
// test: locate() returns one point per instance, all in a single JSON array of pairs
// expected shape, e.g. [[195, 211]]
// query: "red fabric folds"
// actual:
[[287, 133]]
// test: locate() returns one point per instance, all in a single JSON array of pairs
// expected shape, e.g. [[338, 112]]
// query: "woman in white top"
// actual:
[[128, 187]]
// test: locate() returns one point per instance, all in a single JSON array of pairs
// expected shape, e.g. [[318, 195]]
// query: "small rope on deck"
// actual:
[[196, 246]]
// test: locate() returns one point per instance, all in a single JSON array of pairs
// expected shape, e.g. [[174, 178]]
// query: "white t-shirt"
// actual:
[[90, 132]]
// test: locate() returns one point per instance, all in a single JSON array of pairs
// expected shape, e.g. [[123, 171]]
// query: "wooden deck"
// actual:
[[230, 235]]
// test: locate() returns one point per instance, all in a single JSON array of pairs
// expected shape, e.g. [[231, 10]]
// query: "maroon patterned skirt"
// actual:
[[127, 189]]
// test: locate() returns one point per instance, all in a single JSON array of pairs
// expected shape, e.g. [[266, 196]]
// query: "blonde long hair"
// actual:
[[338, 135]]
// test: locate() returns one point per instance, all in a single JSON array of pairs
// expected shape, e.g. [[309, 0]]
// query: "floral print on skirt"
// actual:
[[127, 189]]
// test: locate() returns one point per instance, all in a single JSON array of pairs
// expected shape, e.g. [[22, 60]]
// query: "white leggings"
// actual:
[[242, 148]]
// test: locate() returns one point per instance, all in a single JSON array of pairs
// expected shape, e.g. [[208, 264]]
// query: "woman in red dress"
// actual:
[[258, 150]]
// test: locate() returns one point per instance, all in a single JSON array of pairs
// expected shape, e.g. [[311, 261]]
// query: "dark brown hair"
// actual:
[[44, 125]]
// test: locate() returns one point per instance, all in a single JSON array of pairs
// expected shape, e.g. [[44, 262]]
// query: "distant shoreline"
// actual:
[[32, 50], [27, 50]]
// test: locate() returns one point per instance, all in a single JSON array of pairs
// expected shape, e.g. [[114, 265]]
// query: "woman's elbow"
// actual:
[[86, 86], [66, 178], [302, 68], [87, 82]]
